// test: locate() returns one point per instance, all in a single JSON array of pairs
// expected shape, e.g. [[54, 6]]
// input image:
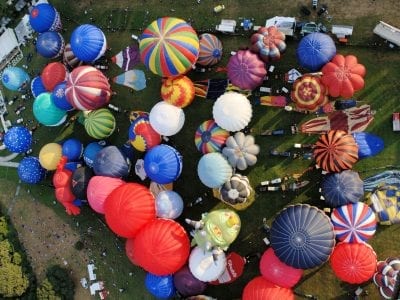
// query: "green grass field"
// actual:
[[130, 17]]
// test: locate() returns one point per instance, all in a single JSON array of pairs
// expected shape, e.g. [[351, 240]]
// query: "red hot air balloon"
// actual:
[[309, 93], [269, 43], [161, 247], [53, 74], [261, 289], [129, 251], [354, 263], [343, 76], [87, 88], [128, 208]]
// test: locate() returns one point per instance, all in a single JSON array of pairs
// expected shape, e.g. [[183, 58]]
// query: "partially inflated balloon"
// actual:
[[99, 188], [50, 155], [111, 162]]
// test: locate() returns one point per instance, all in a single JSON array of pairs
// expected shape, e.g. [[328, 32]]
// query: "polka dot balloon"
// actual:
[[30, 170], [18, 139]]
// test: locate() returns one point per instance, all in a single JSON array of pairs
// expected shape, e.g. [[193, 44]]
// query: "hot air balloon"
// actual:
[[188, 285], [100, 123], [206, 265], [234, 269], [368, 144], [209, 137], [178, 91], [210, 50], [14, 78], [46, 112], [214, 170], [241, 150], [232, 111], [44, 17], [99, 188], [335, 151], [134, 79], [302, 236], [169, 205], [246, 70], [128, 58], [90, 152], [129, 208], [69, 58], [58, 97], [18, 139], [354, 222], [37, 86], [277, 272], [236, 190], [343, 76], [354, 263], [50, 155], [315, 50], [169, 47], [269, 43], [88, 43], [309, 93], [111, 162], [142, 136], [50, 44], [129, 250], [211, 88], [166, 118], [261, 289], [162, 247], [30, 171], [342, 188], [53, 74], [161, 287], [385, 201], [72, 148], [87, 88], [385, 277], [163, 164], [80, 181]]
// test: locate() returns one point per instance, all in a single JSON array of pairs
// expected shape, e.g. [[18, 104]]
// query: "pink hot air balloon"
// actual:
[[269, 43], [87, 88], [99, 188]]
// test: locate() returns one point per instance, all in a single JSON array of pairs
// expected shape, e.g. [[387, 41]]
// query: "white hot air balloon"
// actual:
[[241, 150], [206, 265], [166, 118]]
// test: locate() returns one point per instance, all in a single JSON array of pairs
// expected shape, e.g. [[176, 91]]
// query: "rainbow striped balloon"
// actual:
[[209, 137], [210, 50], [353, 223], [100, 123], [178, 91], [169, 47]]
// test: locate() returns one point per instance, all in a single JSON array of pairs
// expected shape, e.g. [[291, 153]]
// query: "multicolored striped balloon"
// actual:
[[178, 91], [169, 47], [209, 137], [100, 123], [210, 50], [87, 88], [353, 223]]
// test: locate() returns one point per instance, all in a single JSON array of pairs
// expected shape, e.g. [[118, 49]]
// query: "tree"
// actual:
[[46, 291], [3, 228], [62, 283], [13, 282]]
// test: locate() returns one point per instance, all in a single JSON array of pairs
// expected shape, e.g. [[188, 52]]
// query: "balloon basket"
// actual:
[[156, 188], [238, 206]]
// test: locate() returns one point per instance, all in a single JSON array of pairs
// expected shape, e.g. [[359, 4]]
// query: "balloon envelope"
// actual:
[[50, 155], [245, 70], [368, 144], [163, 164], [128, 208], [88, 42], [209, 137], [260, 289], [50, 44], [169, 205], [100, 123], [98, 189], [269, 43], [90, 152], [142, 135], [72, 148], [354, 263], [205, 266], [166, 118], [111, 162], [30, 170], [213, 170], [80, 182], [302, 236], [188, 285], [37, 86], [18, 139], [13, 78], [53, 74], [44, 17], [127, 58], [134, 79], [309, 93], [342, 188], [178, 91], [169, 47], [162, 287], [161, 247], [46, 112], [59, 98], [232, 111], [210, 50], [315, 50], [69, 58]]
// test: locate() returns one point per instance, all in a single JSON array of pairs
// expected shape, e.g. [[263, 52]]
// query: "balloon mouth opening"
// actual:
[[206, 136], [298, 240], [153, 168], [216, 53], [233, 194]]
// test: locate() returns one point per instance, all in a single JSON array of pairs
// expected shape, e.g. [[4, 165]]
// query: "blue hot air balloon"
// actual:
[[368, 144], [90, 152], [161, 287], [302, 236], [14, 78], [163, 164], [18, 139], [214, 170], [342, 188], [37, 86], [111, 162], [169, 205], [30, 170], [46, 112], [88, 42], [44, 17], [59, 98], [72, 148], [50, 44], [315, 50]]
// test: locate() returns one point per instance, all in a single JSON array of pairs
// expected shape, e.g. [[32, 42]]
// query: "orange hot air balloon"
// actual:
[[53, 74], [178, 91], [309, 93], [162, 247], [128, 208], [354, 263], [336, 151], [343, 76], [261, 289]]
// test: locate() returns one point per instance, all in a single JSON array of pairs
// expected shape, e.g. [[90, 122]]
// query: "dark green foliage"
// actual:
[[79, 245], [62, 283]]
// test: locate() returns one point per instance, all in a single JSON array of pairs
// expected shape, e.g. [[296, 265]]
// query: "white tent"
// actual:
[[285, 24], [23, 30], [10, 53], [388, 32]]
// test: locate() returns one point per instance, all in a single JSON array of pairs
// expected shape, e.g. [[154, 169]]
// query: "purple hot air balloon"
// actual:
[[188, 285]]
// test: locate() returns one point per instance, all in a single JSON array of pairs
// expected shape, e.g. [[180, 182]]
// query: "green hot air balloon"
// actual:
[[46, 112], [100, 123]]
